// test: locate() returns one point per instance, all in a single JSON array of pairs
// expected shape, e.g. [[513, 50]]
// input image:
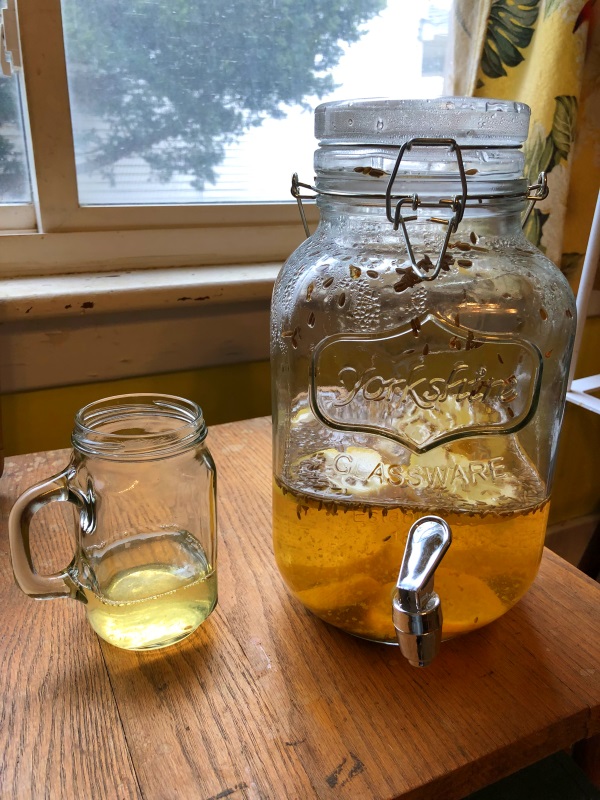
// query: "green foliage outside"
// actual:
[[175, 81], [12, 172]]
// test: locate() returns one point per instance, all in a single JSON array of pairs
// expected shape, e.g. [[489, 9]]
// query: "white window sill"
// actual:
[[64, 296], [67, 329]]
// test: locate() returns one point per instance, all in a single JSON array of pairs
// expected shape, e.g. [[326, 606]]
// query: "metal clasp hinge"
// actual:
[[535, 192], [295, 190], [457, 203]]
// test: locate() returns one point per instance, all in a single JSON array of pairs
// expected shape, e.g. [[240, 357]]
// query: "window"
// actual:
[[14, 169], [16, 200], [165, 134]]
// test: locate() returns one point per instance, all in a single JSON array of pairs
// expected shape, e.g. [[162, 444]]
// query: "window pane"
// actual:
[[15, 186], [210, 101]]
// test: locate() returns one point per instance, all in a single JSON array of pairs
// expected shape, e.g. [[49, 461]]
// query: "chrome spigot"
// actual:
[[416, 608]]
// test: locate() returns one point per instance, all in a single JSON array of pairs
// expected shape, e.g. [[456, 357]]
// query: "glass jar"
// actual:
[[143, 485], [420, 348]]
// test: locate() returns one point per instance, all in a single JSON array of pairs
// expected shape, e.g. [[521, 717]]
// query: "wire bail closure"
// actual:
[[457, 203], [535, 192], [295, 190]]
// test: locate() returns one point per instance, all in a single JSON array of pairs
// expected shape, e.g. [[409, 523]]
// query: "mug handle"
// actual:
[[55, 489]]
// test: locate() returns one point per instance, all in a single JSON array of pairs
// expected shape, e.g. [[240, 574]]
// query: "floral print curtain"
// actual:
[[545, 53]]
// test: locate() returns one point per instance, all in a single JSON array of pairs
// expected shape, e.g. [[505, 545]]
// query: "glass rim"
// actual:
[[90, 437]]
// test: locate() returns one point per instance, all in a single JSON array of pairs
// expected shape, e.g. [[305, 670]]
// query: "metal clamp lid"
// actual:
[[458, 203]]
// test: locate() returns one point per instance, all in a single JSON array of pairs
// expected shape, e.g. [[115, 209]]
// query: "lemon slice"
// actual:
[[467, 601], [357, 471], [377, 622], [468, 480], [302, 416], [322, 600]]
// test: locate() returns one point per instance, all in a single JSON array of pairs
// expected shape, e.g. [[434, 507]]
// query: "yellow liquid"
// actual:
[[154, 604], [341, 560]]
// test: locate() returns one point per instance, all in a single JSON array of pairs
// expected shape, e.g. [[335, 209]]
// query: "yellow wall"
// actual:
[[577, 478], [42, 420]]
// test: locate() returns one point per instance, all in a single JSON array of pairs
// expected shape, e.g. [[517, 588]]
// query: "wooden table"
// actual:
[[265, 701]]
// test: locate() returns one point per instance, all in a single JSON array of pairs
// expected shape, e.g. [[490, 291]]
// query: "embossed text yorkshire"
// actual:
[[426, 390]]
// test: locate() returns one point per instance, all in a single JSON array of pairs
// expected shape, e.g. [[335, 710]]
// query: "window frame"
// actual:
[[75, 238]]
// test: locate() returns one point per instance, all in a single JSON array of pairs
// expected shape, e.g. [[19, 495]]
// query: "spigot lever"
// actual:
[[416, 608]]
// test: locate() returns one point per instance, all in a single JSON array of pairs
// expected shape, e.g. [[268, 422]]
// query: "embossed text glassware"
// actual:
[[420, 349], [143, 486]]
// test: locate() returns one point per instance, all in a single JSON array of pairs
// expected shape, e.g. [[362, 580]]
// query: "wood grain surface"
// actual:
[[265, 701], [60, 732]]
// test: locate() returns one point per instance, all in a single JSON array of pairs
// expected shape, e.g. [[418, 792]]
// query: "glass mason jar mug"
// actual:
[[143, 486], [420, 349]]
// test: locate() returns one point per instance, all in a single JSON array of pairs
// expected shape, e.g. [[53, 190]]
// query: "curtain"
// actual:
[[545, 53]]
